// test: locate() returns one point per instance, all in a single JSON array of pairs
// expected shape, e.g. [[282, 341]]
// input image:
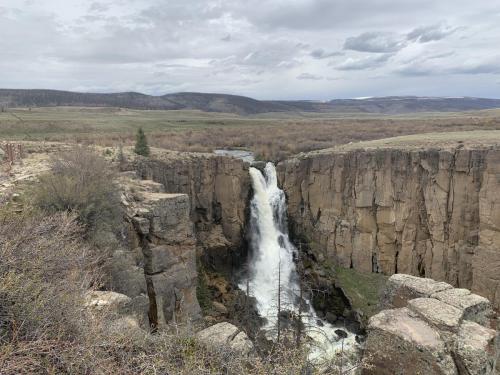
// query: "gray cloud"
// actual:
[[98, 7], [252, 47], [320, 53], [370, 62], [378, 42], [431, 33], [309, 76], [425, 68]]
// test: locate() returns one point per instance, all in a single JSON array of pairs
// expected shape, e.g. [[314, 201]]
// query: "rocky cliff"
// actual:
[[157, 268], [218, 188], [388, 208]]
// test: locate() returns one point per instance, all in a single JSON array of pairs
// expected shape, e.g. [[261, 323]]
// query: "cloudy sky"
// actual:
[[267, 49]]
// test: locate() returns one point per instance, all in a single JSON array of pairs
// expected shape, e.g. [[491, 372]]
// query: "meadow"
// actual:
[[271, 136]]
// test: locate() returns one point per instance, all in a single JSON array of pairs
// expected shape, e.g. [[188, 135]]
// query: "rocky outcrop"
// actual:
[[160, 259], [115, 313], [436, 333], [426, 212], [218, 189], [226, 335]]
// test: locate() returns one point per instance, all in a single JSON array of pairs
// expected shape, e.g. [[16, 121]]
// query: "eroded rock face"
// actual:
[[218, 189], [431, 334], [159, 262], [432, 213]]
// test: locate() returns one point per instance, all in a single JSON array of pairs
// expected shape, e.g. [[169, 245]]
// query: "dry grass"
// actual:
[[271, 136], [80, 181]]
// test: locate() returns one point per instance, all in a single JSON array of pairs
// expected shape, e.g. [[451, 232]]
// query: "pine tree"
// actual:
[[141, 144]]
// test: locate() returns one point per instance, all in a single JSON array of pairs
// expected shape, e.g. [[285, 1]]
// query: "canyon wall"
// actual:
[[218, 188], [426, 212]]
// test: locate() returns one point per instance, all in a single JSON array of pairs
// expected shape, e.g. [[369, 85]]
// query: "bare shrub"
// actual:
[[81, 182], [44, 271]]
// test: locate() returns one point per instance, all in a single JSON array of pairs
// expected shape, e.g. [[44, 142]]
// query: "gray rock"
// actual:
[[400, 343], [228, 336], [160, 260], [331, 317], [437, 313], [475, 308], [141, 224], [401, 288], [475, 350], [105, 300], [220, 308]]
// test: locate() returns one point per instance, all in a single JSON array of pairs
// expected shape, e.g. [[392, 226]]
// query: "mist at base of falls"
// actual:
[[272, 275]]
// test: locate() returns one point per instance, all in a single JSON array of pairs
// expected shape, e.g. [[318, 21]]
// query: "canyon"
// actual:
[[428, 209], [431, 212]]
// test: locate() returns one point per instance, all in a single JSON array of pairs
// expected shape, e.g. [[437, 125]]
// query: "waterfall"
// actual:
[[272, 269]]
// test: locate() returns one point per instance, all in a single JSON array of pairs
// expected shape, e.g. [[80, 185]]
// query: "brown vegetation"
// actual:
[[81, 182], [271, 136], [277, 141]]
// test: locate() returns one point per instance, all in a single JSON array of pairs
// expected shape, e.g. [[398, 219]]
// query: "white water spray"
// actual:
[[273, 272]]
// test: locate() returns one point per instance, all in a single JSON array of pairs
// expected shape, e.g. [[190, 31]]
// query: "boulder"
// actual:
[[474, 308], [432, 334], [106, 300], [226, 335], [219, 308], [437, 313], [400, 343], [401, 288], [118, 314], [475, 350]]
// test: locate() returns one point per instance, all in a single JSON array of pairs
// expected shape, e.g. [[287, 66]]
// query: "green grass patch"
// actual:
[[202, 291], [362, 288]]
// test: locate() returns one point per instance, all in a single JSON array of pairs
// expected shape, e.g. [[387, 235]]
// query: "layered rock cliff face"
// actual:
[[218, 188], [426, 212], [157, 268]]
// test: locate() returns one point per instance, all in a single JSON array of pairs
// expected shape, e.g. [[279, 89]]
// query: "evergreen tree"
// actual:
[[141, 144]]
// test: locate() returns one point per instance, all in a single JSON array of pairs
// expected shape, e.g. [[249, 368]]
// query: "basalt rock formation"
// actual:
[[431, 212], [431, 328], [218, 188], [158, 265]]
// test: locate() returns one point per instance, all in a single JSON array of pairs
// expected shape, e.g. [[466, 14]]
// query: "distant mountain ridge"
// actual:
[[240, 104]]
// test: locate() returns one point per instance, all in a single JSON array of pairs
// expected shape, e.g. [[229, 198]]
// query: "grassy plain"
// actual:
[[271, 136]]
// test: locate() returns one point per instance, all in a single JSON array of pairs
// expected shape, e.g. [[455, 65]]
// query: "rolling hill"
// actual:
[[240, 104]]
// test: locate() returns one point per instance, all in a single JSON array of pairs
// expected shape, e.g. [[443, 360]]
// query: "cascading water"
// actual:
[[273, 279]]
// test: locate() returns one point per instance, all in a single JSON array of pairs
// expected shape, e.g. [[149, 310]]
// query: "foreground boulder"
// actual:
[[400, 343], [226, 335], [435, 330]]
